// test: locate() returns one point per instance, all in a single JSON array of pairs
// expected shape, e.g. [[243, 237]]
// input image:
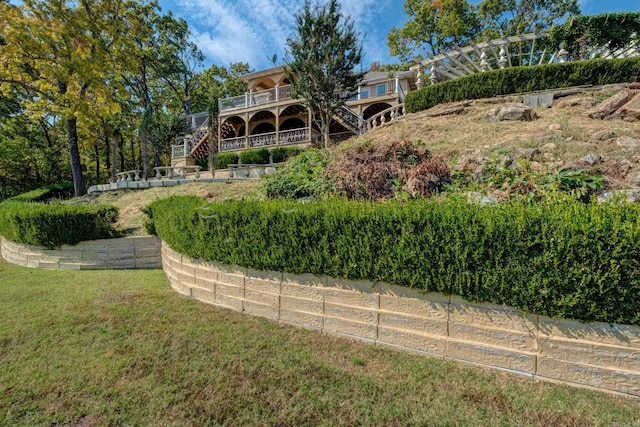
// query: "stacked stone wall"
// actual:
[[601, 356], [104, 254]]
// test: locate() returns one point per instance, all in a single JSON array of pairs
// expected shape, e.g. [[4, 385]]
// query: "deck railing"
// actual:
[[232, 144], [281, 93], [293, 136], [262, 140]]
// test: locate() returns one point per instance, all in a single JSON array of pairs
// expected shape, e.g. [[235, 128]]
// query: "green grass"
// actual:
[[122, 348]]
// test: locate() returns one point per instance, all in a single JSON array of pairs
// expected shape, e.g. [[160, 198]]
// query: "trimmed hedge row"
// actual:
[[25, 220], [560, 259], [524, 79]]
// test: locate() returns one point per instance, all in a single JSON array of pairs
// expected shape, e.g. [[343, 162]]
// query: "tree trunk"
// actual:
[[326, 123], [97, 153], [74, 153]]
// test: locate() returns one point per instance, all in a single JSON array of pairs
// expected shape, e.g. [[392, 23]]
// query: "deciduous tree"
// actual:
[[512, 17], [322, 59], [62, 53], [433, 26]]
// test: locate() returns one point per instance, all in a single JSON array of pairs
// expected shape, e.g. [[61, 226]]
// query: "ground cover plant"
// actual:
[[122, 348]]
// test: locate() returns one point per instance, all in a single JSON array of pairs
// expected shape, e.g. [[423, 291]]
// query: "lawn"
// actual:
[[122, 348]]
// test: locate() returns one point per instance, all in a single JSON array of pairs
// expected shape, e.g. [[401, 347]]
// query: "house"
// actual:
[[268, 116]]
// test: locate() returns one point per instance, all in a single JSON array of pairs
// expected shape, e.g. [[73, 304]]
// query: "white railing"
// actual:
[[350, 118], [202, 130], [232, 144], [179, 150], [373, 90], [187, 143], [387, 116], [262, 140], [294, 136], [281, 93], [275, 94], [520, 50], [177, 171], [128, 176]]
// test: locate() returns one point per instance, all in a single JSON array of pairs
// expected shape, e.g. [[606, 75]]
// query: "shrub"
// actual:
[[51, 225], [223, 160], [46, 193], [282, 154], [560, 259], [302, 176], [524, 79], [255, 157]]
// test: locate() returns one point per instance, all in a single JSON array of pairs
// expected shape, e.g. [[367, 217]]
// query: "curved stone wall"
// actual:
[[105, 254], [601, 356]]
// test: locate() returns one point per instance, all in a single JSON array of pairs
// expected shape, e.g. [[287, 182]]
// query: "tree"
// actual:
[[61, 54], [218, 82], [433, 26], [512, 17], [321, 61]]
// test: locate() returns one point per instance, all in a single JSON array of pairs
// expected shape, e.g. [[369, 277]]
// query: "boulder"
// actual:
[[631, 196], [603, 135], [631, 110], [511, 112], [592, 159], [633, 178], [527, 154], [628, 142], [609, 106]]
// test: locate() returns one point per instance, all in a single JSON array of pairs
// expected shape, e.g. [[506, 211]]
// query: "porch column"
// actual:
[[277, 120], [246, 130], [397, 84], [277, 93]]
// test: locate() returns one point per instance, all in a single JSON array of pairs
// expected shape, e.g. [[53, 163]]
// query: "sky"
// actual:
[[253, 31]]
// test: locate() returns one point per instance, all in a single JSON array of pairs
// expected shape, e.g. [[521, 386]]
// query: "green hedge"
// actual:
[[560, 259], [223, 160], [259, 156], [282, 154], [524, 79], [52, 225]]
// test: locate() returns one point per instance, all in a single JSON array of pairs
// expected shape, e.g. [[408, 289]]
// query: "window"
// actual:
[[381, 89]]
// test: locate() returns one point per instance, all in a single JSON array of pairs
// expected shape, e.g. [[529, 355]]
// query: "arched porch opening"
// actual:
[[376, 108], [262, 129], [232, 127]]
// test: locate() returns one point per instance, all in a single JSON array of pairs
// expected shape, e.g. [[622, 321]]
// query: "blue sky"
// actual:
[[254, 30]]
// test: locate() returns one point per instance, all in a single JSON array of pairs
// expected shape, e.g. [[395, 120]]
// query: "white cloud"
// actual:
[[253, 30]]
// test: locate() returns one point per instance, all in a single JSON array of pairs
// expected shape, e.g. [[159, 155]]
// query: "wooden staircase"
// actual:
[[197, 145]]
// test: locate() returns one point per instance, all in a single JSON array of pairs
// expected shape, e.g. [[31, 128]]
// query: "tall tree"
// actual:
[[61, 53], [433, 26], [512, 17], [218, 82], [321, 61]]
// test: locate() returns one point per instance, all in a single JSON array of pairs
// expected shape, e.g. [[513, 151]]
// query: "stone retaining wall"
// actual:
[[592, 355], [106, 254]]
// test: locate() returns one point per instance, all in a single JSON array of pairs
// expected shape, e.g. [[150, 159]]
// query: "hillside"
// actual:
[[489, 158]]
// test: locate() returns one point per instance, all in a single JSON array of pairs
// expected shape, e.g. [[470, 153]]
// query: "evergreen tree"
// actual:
[[321, 61]]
